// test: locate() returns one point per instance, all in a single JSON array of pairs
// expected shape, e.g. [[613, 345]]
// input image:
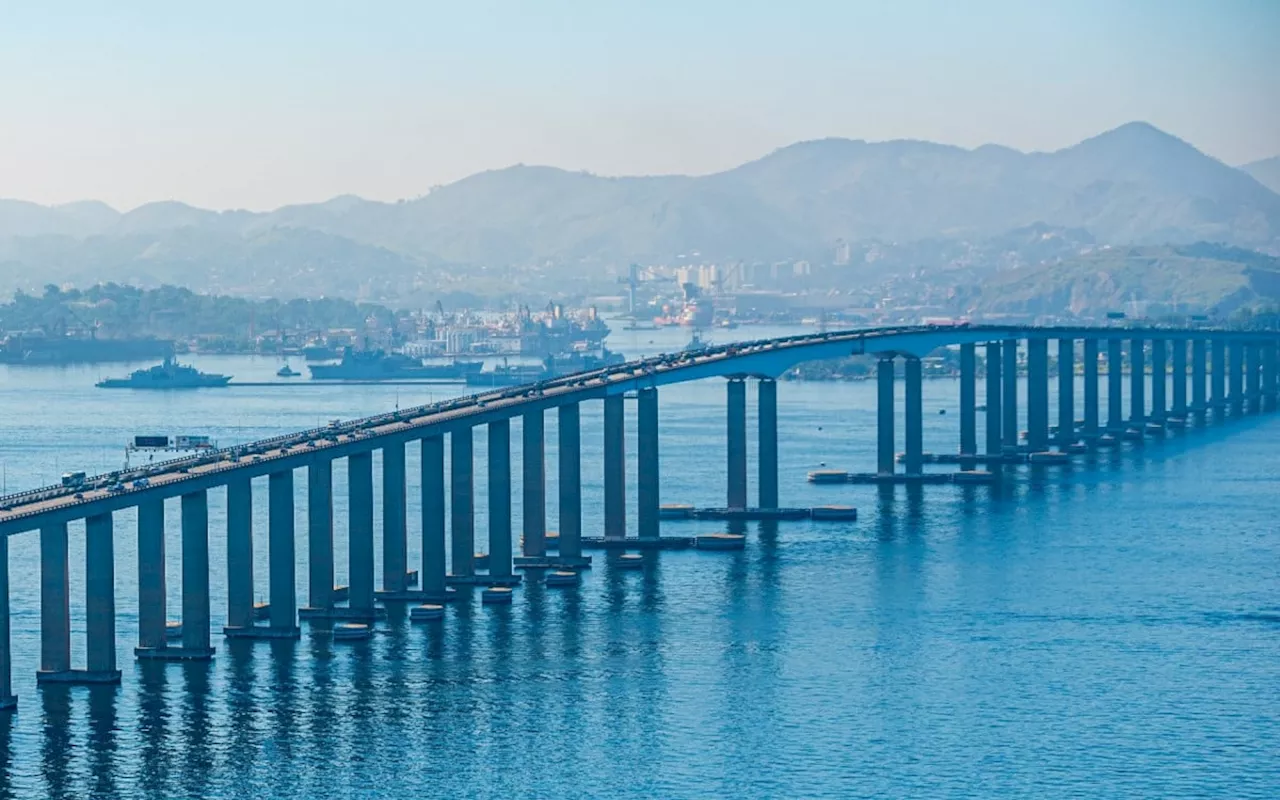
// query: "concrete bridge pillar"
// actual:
[[647, 479], [1218, 374], [320, 535], [1235, 378], [8, 700], [395, 545], [1090, 370], [432, 579], [1178, 347], [767, 453], [1066, 393], [570, 435], [1269, 378], [1137, 383], [1159, 381], [534, 484], [995, 390], [100, 599], [195, 574], [239, 552], [462, 500], [55, 601], [1198, 370], [1037, 394], [884, 416], [360, 533], [500, 498], [151, 575], [1253, 376], [615, 468], [1009, 351], [281, 556], [1115, 386], [914, 416], [968, 403], [736, 436]]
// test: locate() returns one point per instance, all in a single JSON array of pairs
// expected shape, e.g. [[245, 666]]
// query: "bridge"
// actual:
[[1198, 376]]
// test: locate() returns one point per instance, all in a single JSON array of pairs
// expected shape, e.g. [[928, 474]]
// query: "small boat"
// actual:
[[287, 372]]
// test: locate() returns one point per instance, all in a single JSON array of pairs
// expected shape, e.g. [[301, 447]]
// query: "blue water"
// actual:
[[1109, 630]]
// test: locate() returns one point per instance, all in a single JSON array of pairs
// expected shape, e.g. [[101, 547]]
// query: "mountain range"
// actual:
[[1135, 185]]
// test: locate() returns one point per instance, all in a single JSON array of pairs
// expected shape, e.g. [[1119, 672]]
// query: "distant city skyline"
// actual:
[[233, 105]]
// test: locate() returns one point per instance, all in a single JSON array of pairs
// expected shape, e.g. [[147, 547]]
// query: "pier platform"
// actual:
[[636, 543]]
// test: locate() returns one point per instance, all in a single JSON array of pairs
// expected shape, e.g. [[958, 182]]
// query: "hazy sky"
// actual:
[[232, 104]]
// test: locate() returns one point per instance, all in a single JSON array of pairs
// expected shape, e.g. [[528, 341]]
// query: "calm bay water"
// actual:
[[1109, 630]]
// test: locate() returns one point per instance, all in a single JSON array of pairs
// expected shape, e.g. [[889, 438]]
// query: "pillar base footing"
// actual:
[[174, 653], [261, 632], [9, 703], [78, 676]]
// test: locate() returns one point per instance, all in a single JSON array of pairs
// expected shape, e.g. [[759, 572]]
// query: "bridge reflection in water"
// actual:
[[1230, 374]]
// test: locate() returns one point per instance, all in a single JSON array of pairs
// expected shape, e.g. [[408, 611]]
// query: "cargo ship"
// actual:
[[169, 375], [377, 365], [551, 367], [36, 349]]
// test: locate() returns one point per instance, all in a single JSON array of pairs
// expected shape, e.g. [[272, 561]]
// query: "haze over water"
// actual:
[[1108, 629]]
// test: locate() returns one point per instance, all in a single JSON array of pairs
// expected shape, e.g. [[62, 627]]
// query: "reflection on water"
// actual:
[[1087, 626]]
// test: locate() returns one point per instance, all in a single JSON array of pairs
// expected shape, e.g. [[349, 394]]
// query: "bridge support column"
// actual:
[[1137, 384], [1253, 376], [100, 600], [195, 575], [1115, 386], [914, 416], [1037, 395], [534, 488], [55, 602], [239, 552], [151, 576], [8, 701], [884, 416], [433, 549], [1010, 405], [500, 498], [1066, 393], [736, 436], [570, 435], [462, 503], [1159, 382], [1090, 370], [1198, 370], [767, 453], [320, 536], [968, 404], [395, 545], [995, 391], [1178, 348], [1235, 378], [282, 571], [360, 535], [1269, 377], [647, 479], [615, 468], [1218, 375]]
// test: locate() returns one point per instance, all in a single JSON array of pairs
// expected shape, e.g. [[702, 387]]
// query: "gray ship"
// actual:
[[169, 375]]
